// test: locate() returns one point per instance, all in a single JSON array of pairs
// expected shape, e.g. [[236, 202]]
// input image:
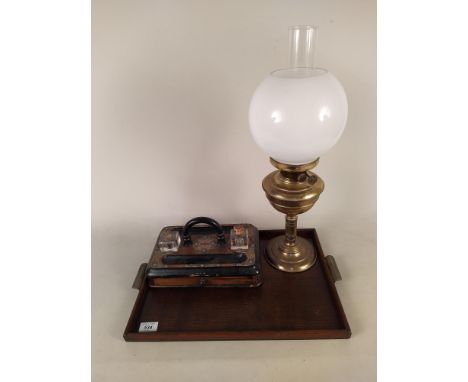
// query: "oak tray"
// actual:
[[286, 306]]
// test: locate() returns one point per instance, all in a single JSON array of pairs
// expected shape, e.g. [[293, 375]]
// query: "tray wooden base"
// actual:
[[286, 306]]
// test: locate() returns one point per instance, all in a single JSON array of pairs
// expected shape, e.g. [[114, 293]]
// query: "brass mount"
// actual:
[[292, 190]]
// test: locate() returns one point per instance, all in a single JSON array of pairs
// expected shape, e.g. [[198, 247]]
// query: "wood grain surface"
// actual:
[[286, 306]]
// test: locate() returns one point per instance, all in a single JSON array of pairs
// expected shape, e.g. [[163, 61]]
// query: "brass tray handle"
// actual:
[[202, 220], [140, 276], [335, 272]]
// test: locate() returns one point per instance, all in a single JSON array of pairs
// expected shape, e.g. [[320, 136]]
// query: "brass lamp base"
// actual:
[[297, 258], [292, 190]]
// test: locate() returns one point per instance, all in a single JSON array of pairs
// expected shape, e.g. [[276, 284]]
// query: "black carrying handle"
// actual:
[[202, 220]]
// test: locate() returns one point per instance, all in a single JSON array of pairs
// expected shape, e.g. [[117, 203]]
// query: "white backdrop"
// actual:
[[171, 85]]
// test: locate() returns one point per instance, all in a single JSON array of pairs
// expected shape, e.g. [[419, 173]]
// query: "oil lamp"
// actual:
[[296, 114]]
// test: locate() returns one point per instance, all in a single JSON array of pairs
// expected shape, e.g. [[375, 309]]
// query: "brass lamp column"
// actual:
[[292, 190]]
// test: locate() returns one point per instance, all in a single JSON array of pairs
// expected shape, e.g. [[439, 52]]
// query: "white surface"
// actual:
[[297, 118], [172, 82]]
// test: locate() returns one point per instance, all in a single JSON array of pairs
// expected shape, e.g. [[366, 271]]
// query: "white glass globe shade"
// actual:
[[298, 114]]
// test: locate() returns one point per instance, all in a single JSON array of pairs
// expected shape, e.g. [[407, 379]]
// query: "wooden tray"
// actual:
[[286, 306]]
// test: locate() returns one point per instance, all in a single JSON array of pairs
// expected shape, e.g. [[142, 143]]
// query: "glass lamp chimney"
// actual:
[[302, 43]]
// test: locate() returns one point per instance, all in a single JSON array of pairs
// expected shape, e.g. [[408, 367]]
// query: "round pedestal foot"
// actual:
[[291, 258]]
